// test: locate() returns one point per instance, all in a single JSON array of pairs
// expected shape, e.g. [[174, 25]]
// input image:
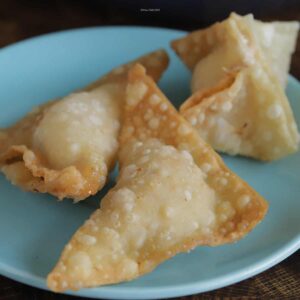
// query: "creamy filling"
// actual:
[[81, 127]]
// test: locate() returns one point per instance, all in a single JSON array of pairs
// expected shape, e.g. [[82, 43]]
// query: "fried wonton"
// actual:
[[277, 41], [172, 194], [238, 104], [66, 147]]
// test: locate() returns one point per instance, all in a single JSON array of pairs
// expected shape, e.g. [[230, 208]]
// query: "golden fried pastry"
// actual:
[[172, 194], [66, 147], [238, 104], [277, 41]]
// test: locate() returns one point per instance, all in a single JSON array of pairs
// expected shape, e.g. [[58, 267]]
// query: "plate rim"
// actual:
[[55, 33], [163, 292], [108, 292]]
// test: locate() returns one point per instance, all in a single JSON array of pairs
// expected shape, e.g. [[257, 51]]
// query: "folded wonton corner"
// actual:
[[172, 194], [66, 147], [240, 69]]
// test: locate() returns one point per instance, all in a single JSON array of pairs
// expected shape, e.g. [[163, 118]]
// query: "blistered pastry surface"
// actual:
[[66, 147], [238, 104], [172, 194]]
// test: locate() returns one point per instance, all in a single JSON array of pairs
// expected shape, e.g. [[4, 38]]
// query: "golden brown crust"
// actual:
[[238, 104], [149, 115], [78, 181], [183, 135], [276, 39], [202, 95]]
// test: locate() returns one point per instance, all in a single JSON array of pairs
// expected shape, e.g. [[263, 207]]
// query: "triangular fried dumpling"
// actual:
[[276, 41], [238, 104], [173, 193], [66, 147]]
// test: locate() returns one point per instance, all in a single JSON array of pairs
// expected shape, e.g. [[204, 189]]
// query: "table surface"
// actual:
[[24, 19]]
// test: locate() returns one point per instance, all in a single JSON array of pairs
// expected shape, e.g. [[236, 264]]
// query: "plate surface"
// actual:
[[35, 227]]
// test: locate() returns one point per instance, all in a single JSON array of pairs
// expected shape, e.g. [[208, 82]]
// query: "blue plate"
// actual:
[[35, 227]]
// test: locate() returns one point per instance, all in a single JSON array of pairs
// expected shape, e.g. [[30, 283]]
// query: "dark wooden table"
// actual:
[[23, 19]]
